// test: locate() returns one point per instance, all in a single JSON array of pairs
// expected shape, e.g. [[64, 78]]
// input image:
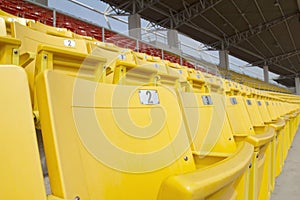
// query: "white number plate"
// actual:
[[207, 100], [149, 97], [233, 100], [69, 43]]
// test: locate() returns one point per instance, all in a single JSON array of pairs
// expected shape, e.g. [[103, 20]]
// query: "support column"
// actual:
[[297, 85], [172, 38], [54, 18], [223, 59], [103, 34], [134, 26], [266, 74]]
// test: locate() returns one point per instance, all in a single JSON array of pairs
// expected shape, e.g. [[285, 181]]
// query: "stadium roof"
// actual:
[[261, 32]]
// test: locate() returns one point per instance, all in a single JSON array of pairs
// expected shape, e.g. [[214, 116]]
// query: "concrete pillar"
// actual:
[[172, 38], [297, 85], [266, 74], [54, 18], [223, 59], [134, 26]]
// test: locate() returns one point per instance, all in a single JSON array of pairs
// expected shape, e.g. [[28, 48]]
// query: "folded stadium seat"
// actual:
[[296, 112], [20, 170], [292, 119], [263, 103], [190, 80], [60, 32], [281, 113], [112, 159], [252, 104], [237, 108], [147, 73], [257, 99], [31, 39], [9, 51], [287, 119], [83, 36], [72, 63], [162, 75], [209, 131], [88, 162], [112, 54], [290, 111]]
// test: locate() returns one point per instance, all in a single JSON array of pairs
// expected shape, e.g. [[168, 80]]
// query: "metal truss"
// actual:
[[276, 59], [137, 6], [284, 77], [177, 19], [141, 5], [251, 32]]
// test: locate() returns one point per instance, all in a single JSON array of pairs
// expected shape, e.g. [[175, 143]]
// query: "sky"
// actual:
[[67, 6]]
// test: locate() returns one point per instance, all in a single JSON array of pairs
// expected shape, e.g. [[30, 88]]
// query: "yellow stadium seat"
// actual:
[[31, 39], [9, 50], [127, 144], [186, 81], [9, 47], [279, 125], [209, 129], [20, 170], [113, 54], [72, 63], [128, 73], [240, 111], [50, 30], [119, 124], [101, 154], [186, 187]]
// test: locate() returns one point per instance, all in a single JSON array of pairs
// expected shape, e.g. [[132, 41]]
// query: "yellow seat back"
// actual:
[[9, 47], [112, 54], [31, 39], [206, 120], [263, 110], [20, 170], [238, 116], [50, 30], [105, 141], [252, 106]]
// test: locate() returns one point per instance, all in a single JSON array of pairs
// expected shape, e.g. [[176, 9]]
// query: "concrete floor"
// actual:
[[288, 183]]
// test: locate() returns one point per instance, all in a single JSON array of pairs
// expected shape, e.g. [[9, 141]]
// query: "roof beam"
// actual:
[[284, 77], [179, 18], [236, 46], [137, 6], [142, 5], [276, 59], [242, 36]]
